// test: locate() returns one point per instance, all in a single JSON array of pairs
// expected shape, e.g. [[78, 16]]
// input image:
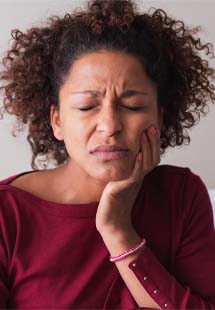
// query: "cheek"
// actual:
[[149, 119], [69, 125], [137, 128], [135, 131], [75, 138]]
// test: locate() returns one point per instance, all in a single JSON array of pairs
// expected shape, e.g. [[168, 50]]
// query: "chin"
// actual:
[[110, 174]]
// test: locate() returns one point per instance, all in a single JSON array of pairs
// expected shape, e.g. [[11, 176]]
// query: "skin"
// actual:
[[109, 122], [116, 183]]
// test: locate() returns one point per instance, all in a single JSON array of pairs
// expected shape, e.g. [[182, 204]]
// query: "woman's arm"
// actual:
[[118, 245], [193, 284]]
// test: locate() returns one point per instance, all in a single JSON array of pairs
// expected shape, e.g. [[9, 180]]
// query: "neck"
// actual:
[[76, 186]]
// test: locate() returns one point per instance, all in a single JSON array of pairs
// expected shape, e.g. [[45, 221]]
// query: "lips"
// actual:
[[110, 152], [110, 155], [109, 148]]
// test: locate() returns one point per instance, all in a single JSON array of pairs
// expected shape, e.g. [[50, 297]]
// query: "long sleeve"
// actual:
[[193, 284], [4, 253], [3, 283], [3, 287], [40, 269]]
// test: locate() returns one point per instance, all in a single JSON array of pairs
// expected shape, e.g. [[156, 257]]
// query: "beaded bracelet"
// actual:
[[125, 254]]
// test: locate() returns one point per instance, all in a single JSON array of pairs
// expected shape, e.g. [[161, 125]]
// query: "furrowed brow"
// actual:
[[130, 93], [125, 94]]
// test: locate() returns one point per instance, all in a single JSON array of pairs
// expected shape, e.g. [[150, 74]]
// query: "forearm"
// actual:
[[119, 244]]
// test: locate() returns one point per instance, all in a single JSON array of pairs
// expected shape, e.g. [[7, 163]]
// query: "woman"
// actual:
[[104, 92]]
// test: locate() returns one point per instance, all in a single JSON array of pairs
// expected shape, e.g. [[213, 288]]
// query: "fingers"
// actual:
[[151, 149], [146, 152], [154, 144]]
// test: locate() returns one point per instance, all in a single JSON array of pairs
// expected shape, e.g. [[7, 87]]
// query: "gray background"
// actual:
[[15, 154]]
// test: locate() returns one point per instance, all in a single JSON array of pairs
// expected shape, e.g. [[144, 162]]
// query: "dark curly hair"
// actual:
[[38, 61]]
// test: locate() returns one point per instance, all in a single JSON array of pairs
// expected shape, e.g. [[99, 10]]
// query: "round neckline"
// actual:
[[61, 209], [87, 210]]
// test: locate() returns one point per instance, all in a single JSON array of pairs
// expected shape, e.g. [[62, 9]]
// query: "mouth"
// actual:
[[110, 155]]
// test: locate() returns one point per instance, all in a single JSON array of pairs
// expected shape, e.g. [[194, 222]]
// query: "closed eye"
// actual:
[[129, 108]]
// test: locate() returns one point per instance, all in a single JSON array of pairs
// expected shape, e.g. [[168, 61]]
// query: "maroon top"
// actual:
[[52, 256]]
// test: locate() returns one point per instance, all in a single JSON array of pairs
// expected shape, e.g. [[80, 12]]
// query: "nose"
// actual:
[[109, 121]]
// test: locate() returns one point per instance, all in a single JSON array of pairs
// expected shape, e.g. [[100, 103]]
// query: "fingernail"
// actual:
[[140, 155], [153, 130]]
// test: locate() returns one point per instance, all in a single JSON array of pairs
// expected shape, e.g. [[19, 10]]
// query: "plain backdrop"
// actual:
[[199, 155]]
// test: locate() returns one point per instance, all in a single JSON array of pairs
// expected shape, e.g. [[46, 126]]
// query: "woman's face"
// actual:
[[110, 84]]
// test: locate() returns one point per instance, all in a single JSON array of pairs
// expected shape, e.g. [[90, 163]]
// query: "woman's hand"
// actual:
[[117, 200]]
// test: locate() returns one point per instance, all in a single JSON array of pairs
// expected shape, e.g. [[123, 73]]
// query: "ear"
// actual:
[[55, 122]]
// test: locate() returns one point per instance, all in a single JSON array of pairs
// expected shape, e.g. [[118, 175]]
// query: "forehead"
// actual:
[[102, 66]]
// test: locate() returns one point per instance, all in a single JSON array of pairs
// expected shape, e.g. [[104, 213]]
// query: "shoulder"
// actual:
[[176, 180], [27, 181], [170, 173], [16, 180], [172, 170], [8, 180], [181, 189], [30, 185], [14, 194]]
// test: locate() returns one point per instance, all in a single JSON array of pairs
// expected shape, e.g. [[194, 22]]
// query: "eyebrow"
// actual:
[[125, 94]]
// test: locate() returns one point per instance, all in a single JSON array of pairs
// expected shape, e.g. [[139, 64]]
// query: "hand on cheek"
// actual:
[[118, 198], [150, 149]]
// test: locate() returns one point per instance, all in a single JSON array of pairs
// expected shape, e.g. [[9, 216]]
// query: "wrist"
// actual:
[[133, 251], [121, 241]]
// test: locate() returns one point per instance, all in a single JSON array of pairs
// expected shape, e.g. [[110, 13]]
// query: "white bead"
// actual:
[[155, 291], [145, 278]]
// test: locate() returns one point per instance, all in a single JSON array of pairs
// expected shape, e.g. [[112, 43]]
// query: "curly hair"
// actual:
[[39, 60]]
